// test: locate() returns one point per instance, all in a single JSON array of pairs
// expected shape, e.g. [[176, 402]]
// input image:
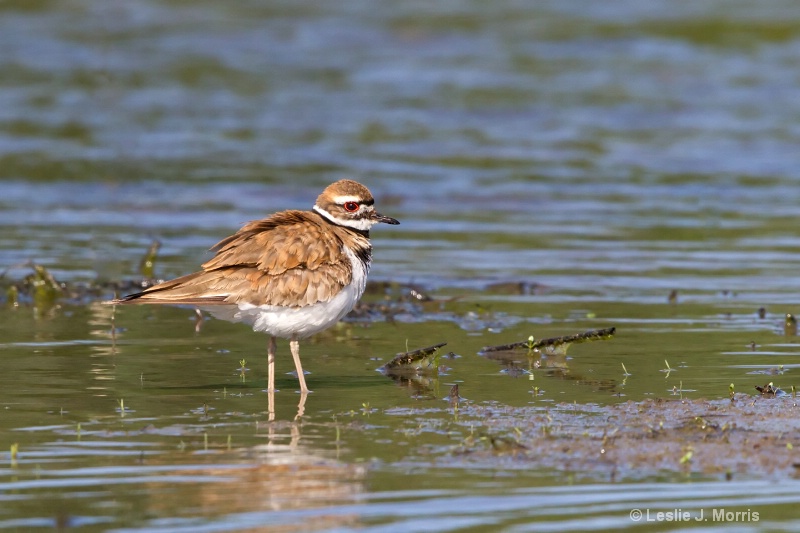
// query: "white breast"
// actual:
[[286, 322]]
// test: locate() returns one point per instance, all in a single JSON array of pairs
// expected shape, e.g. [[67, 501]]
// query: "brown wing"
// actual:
[[287, 259]]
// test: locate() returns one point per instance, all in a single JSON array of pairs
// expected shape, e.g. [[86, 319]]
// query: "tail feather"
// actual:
[[179, 291]]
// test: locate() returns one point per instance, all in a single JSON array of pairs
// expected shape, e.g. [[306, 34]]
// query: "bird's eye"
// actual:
[[351, 207]]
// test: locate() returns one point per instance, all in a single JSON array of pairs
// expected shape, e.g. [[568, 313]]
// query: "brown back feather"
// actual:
[[291, 258]]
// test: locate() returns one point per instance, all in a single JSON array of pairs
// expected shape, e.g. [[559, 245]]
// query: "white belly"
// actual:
[[302, 322]]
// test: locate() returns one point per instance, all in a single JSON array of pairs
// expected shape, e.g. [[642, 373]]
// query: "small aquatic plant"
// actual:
[[45, 287], [12, 296], [531, 345], [790, 325], [687, 456], [147, 264], [14, 453]]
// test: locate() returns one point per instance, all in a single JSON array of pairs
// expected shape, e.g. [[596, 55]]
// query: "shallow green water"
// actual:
[[557, 168]]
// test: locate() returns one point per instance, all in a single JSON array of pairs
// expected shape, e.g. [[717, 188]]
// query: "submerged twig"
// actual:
[[415, 359], [554, 343]]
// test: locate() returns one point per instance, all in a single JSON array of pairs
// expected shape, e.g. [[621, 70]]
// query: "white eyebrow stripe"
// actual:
[[344, 199]]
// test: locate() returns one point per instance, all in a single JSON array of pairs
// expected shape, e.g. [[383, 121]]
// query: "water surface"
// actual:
[[557, 168]]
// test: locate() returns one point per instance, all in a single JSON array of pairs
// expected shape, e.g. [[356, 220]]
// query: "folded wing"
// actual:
[[284, 260]]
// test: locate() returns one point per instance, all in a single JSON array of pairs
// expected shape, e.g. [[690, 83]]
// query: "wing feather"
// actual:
[[288, 259]]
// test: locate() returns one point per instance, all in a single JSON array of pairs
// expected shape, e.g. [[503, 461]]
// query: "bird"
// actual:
[[291, 275]]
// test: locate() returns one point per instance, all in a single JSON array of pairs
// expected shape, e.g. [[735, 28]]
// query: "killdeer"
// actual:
[[291, 275]]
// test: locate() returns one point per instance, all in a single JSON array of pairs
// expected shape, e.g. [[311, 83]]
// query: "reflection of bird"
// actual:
[[291, 275], [790, 325]]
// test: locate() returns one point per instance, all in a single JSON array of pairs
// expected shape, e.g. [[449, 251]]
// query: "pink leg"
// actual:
[[271, 406], [301, 406], [294, 345], [271, 365]]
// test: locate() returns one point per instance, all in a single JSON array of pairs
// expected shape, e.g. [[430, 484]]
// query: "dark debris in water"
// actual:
[[396, 299], [773, 371], [770, 391], [453, 396], [516, 287]]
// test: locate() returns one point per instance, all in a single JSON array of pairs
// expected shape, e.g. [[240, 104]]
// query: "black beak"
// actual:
[[377, 217]]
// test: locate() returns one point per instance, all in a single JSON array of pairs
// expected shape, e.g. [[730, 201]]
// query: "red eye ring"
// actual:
[[351, 207]]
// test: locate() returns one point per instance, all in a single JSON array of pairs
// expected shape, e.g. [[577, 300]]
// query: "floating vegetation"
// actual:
[[38, 288], [554, 345], [44, 291]]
